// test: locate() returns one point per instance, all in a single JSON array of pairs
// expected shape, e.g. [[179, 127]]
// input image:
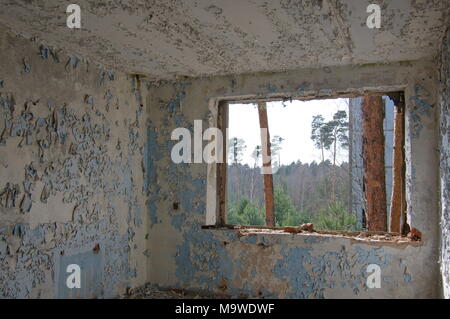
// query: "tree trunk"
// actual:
[[302, 196], [252, 186], [397, 171], [238, 186], [267, 164], [323, 157], [333, 186], [374, 169]]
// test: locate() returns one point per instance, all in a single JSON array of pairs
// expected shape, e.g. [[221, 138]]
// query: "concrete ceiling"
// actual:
[[162, 39]]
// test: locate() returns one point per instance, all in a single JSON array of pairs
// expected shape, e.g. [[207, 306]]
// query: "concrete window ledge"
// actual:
[[364, 237]]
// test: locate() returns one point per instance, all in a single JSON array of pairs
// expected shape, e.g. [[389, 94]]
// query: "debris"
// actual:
[[307, 227], [152, 292], [293, 230], [414, 234], [304, 227]]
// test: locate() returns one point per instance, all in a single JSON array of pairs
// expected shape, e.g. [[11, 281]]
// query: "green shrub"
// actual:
[[335, 217], [245, 212]]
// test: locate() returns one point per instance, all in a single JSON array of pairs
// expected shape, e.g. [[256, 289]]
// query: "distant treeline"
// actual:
[[317, 193]]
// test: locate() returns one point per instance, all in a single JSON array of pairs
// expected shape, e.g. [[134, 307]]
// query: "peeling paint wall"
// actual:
[[183, 255], [86, 177], [72, 137], [163, 39], [445, 163]]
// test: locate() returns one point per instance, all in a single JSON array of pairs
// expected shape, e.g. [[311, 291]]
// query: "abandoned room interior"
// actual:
[[248, 149]]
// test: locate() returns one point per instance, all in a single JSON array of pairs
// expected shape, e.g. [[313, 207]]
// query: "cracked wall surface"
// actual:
[[445, 163], [163, 39], [183, 255], [72, 136]]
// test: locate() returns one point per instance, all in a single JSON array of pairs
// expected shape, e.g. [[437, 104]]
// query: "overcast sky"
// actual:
[[291, 121]]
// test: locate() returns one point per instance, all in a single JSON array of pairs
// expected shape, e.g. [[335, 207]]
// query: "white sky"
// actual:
[[291, 121]]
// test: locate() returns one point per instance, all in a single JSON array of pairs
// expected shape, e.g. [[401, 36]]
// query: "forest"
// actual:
[[316, 192]]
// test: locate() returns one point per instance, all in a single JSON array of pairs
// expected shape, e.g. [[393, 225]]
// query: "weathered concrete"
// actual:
[[445, 163], [274, 265], [72, 137], [163, 39]]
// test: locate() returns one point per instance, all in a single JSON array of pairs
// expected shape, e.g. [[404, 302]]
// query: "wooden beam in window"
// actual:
[[373, 156], [221, 199], [267, 164], [398, 184]]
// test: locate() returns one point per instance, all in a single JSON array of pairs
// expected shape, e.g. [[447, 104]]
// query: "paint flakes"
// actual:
[[420, 108], [8, 196], [26, 66], [88, 99], [72, 62]]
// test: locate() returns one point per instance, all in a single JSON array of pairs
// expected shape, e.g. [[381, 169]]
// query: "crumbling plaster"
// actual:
[[72, 137], [163, 39], [184, 255], [445, 163]]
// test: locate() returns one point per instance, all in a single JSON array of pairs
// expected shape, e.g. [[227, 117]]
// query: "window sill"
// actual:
[[364, 237]]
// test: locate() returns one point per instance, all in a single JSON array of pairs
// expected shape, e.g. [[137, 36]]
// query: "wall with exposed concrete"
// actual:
[[445, 163], [72, 137], [183, 255]]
